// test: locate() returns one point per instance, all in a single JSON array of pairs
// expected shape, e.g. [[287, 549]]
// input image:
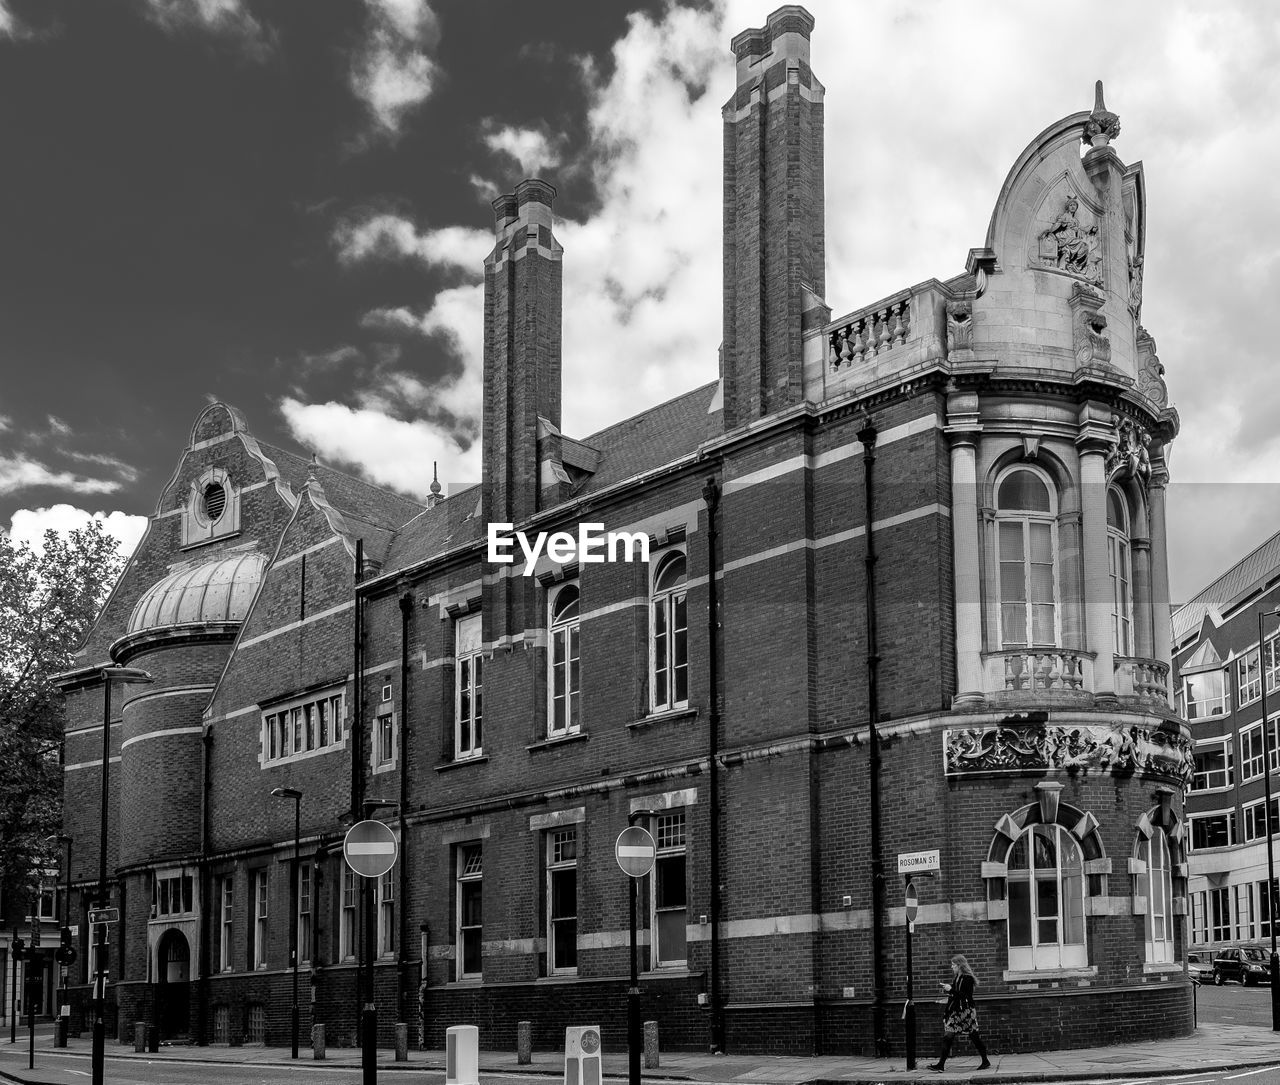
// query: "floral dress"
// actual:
[[960, 1016]]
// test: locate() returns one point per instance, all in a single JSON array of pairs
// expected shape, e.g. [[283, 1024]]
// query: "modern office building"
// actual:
[[893, 594], [1220, 674]]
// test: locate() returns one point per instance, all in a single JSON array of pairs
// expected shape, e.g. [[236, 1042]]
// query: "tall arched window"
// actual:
[[562, 655], [1026, 522], [1046, 890], [1155, 883], [669, 635], [1120, 566]]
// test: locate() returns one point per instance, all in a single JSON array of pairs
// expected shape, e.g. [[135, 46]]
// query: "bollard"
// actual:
[[651, 1045], [402, 1042], [582, 1062], [317, 1042], [524, 1043], [462, 1055], [139, 1037], [60, 1031]]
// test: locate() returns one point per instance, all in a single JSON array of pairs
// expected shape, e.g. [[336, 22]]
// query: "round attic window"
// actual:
[[213, 502]]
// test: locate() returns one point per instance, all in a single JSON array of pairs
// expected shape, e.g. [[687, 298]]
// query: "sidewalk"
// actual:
[[1210, 1047]]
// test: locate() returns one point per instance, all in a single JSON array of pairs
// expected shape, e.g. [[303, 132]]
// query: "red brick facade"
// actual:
[[759, 783]]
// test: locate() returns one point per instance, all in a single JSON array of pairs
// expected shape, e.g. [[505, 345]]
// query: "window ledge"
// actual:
[[667, 715], [1088, 972], [461, 762], [211, 539], [557, 740], [559, 977], [1151, 968]]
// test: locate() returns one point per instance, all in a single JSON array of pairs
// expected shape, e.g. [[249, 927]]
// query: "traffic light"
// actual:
[[66, 953], [19, 950]]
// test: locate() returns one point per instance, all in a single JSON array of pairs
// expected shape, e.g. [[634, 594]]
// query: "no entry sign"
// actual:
[[370, 848], [635, 850]]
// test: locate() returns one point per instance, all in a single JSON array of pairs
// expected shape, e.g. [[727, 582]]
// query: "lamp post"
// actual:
[[296, 796], [1271, 858], [65, 917], [98, 1056]]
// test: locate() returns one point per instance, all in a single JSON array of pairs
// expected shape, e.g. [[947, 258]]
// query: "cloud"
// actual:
[[58, 428], [533, 150], [29, 525], [228, 19], [18, 473], [391, 452], [392, 72], [387, 236]]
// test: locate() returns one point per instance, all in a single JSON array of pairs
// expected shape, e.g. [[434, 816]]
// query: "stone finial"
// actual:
[[436, 496], [1102, 126]]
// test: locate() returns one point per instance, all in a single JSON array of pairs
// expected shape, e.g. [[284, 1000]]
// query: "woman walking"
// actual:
[[960, 1018]]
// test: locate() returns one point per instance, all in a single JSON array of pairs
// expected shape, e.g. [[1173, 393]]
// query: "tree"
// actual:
[[48, 602]]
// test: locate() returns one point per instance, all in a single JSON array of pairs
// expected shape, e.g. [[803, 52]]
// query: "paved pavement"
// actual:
[[1210, 1047]]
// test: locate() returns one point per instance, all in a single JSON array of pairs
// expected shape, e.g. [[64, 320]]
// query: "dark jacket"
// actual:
[[960, 996]]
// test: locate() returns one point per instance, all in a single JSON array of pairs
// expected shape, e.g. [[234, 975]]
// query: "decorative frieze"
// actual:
[[1111, 748]]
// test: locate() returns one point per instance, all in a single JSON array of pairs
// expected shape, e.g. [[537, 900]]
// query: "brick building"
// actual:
[[905, 591], [1220, 692]]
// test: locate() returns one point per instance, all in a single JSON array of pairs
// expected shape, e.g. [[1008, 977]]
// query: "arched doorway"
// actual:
[[173, 986]]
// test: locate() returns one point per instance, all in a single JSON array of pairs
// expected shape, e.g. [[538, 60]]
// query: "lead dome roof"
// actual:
[[215, 591]]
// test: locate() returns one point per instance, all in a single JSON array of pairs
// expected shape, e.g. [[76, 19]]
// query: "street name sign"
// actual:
[[920, 862], [635, 851], [370, 848], [103, 915]]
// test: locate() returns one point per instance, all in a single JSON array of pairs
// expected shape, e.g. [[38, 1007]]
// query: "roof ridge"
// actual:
[[344, 474], [650, 410]]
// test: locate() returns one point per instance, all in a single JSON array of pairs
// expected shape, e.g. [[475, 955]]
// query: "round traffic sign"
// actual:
[[912, 902], [370, 848], [635, 851]]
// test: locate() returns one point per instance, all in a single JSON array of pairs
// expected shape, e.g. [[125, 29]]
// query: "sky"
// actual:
[[286, 207]]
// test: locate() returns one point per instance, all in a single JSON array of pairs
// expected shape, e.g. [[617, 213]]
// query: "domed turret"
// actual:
[[217, 591]]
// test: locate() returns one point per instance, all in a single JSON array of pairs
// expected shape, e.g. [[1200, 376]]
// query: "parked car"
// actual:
[[1199, 967], [1245, 964]]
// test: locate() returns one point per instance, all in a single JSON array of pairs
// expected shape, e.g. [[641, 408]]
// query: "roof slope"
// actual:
[[1246, 576]]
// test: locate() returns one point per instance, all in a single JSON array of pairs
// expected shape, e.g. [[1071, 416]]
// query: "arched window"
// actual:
[[1120, 566], [1046, 892], [563, 717], [1026, 523], [669, 635], [1155, 885]]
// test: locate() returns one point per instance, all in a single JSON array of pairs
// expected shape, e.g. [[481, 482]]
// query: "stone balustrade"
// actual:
[[865, 335], [1146, 680], [1038, 670]]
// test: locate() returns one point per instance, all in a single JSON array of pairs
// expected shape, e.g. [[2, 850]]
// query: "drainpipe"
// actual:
[[867, 437], [711, 494], [406, 608], [206, 891]]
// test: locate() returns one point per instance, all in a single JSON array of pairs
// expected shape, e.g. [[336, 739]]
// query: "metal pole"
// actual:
[[1271, 859], [909, 1012], [293, 913], [13, 991], [633, 1001], [711, 494], [369, 1015]]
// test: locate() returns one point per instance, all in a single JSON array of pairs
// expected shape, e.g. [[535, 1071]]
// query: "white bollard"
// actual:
[[462, 1055], [582, 1055]]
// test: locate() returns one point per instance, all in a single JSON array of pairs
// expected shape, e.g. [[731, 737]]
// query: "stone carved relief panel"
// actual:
[[1110, 748], [1072, 242]]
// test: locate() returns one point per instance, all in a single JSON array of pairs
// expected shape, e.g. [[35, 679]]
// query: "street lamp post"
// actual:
[[296, 796], [1271, 858], [98, 1055], [60, 1025]]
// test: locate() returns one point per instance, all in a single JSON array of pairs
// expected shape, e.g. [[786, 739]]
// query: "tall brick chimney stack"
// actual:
[[773, 215], [522, 309]]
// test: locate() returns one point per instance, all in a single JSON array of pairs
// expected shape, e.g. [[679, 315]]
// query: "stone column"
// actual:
[[1093, 447], [1140, 586], [1161, 626], [966, 552]]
